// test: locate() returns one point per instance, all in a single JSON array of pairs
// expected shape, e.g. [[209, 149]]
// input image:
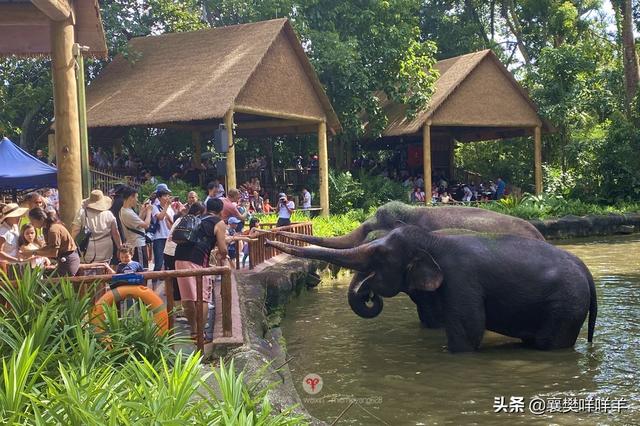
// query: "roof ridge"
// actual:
[[209, 29]]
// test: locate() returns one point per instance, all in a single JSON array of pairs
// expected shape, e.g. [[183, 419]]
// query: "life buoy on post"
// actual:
[[148, 296]]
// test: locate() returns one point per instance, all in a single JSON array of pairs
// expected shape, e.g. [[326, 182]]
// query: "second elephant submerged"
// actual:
[[519, 287]]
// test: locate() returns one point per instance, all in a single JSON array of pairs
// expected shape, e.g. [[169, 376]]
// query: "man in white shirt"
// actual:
[[285, 210], [306, 199]]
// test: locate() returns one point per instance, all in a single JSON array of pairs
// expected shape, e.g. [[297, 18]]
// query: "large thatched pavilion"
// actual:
[[255, 78], [476, 98], [65, 30]]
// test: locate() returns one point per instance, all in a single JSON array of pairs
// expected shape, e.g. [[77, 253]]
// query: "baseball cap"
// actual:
[[163, 187], [234, 221], [282, 194]]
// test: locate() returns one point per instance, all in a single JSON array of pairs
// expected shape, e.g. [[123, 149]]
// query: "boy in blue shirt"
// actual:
[[127, 265]]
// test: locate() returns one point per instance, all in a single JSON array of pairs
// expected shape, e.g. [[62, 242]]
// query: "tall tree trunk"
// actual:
[[26, 127], [511, 18], [630, 56]]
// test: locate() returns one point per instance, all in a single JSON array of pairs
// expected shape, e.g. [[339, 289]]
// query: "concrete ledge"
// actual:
[[263, 291], [588, 226]]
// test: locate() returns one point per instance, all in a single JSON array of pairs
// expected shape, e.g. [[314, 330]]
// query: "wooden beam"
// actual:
[[537, 146], [21, 14], [276, 114], [56, 10], [323, 155], [296, 130], [197, 148], [426, 159], [65, 100], [231, 154], [269, 124]]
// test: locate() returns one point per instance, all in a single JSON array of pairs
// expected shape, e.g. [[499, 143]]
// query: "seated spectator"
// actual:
[[445, 198], [267, 207]]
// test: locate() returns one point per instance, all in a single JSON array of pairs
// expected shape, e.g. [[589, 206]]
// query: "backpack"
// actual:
[[187, 230]]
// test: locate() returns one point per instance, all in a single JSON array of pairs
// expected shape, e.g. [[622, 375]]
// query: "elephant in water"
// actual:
[[367, 303], [515, 286]]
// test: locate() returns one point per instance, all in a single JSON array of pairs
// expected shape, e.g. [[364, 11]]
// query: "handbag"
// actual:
[[147, 239], [83, 237]]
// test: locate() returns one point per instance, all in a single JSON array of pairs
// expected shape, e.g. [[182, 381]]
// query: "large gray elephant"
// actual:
[[394, 214], [515, 286], [451, 219]]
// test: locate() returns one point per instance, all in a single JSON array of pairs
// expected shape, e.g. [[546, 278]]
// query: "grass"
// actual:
[[56, 369]]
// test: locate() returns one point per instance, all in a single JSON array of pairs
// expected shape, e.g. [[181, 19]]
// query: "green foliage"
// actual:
[[56, 370], [179, 188], [367, 191]]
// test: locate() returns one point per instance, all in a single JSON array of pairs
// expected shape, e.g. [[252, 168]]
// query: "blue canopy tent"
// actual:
[[20, 170]]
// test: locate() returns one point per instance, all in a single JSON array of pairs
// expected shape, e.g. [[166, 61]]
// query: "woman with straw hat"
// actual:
[[96, 217], [9, 232]]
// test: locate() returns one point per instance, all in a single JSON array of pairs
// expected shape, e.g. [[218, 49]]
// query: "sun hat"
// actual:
[[12, 210], [163, 187], [98, 201], [234, 221]]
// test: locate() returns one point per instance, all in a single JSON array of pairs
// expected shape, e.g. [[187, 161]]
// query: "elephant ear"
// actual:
[[424, 273]]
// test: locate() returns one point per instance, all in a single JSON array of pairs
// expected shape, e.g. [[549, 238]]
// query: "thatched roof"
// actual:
[[473, 90], [200, 75], [24, 29]]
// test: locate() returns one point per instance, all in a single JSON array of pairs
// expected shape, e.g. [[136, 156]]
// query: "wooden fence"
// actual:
[[259, 252], [81, 283], [106, 180]]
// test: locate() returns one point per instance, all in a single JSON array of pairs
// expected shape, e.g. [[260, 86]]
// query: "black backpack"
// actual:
[[187, 231]]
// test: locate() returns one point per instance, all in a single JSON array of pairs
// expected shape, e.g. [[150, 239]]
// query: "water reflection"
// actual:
[[400, 373]]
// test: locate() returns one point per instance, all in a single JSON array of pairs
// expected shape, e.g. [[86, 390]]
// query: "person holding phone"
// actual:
[[134, 225], [285, 210]]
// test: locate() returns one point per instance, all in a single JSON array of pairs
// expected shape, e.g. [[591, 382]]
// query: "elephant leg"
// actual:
[[558, 331], [429, 308], [465, 327]]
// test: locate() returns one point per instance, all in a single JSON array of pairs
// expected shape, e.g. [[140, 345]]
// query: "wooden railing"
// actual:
[[259, 252], [106, 180], [81, 283]]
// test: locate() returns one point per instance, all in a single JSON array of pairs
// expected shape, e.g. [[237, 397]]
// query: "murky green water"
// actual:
[[399, 374]]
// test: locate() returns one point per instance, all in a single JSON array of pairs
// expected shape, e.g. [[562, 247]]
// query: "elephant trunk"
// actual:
[[362, 300], [354, 258], [351, 240]]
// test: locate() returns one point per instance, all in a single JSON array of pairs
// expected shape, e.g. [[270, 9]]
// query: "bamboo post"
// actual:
[[426, 159], [225, 293], [168, 289], [231, 153], [51, 144], [537, 143], [66, 118], [323, 168], [82, 119], [199, 329]]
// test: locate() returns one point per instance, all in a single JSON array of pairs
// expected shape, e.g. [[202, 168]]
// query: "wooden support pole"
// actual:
[[82, 119], [56, 10], [452, 162], [197, 148], [323, 155], [65, 97], [225, 295], [537, 143], [231, 154], [199, 316], [426, 159], [51, 145]]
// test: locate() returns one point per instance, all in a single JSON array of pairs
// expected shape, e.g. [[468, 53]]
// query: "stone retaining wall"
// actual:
[[588, 226], [264, 292]]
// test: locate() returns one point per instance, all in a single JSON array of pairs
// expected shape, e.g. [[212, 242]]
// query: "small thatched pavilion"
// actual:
[[254, 77], [62, 29], [476, 98]]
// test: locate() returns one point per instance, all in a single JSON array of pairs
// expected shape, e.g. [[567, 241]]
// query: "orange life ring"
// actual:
[[148, 296]]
